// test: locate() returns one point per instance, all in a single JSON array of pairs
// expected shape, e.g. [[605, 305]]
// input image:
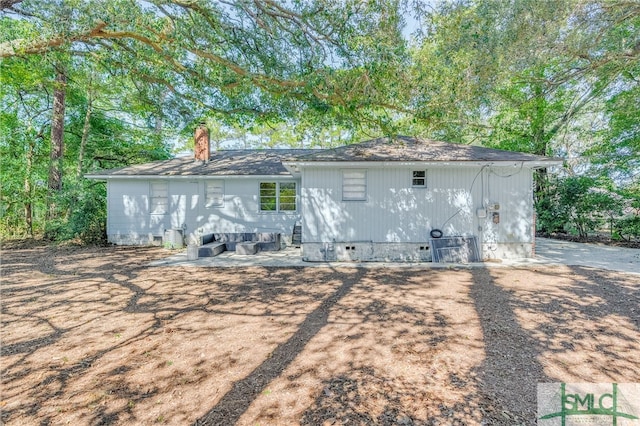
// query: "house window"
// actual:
[[268, 196], [159, 198], [278, 196], [354, 185], [419, 179], [287, 197], [214, 193]]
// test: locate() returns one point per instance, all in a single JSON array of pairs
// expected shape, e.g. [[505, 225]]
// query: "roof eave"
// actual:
[[541, 164]]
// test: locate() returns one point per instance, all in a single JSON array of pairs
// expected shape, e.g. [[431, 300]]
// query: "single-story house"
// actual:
[[384, 199]]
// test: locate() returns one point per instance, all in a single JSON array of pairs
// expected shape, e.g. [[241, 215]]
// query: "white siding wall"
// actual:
[[129, 221], [394, 212], [513, 190]]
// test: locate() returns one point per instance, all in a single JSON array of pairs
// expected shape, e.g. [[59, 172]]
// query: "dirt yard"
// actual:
[[95, 336]]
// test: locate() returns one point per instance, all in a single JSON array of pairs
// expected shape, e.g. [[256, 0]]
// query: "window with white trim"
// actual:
[[287, 196], [278, 196], [159, 198], [214, 193], [419, 179], [354, 185]]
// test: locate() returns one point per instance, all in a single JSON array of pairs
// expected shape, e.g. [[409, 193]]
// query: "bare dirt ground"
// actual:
[[95, 336]]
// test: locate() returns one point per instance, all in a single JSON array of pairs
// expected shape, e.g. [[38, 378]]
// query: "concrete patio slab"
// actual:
[[548, 252]]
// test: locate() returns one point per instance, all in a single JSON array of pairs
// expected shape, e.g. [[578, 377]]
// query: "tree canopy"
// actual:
[[94, 84]]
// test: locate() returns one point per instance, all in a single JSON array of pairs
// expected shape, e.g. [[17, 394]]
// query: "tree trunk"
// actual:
[[85, 136], [28, 206], [158, 125], [539, 134], [57, 141]]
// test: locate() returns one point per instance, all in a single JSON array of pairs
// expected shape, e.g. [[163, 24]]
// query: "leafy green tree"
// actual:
[[24, 149], [257, 60], [98, 131], [579, 205], [553, 78]]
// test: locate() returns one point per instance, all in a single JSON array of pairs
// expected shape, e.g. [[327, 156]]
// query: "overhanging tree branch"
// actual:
[[8, 4], [20, 47]]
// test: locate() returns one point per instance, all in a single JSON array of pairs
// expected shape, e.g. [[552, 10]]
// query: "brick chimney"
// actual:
[[202, 148]]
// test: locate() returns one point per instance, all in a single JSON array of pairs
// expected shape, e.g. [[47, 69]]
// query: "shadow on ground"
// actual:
[[94, 336]]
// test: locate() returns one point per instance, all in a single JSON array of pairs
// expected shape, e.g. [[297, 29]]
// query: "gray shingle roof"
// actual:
[[409, 149], [222, 163], [269, 161]]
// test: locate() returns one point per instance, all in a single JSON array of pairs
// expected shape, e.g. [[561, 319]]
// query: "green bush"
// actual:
[[577, 204], [82, 214], [628, 227], [88, 220]]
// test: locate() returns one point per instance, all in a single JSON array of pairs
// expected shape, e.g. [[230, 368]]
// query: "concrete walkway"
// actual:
[[621, 259], [549, 252]]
